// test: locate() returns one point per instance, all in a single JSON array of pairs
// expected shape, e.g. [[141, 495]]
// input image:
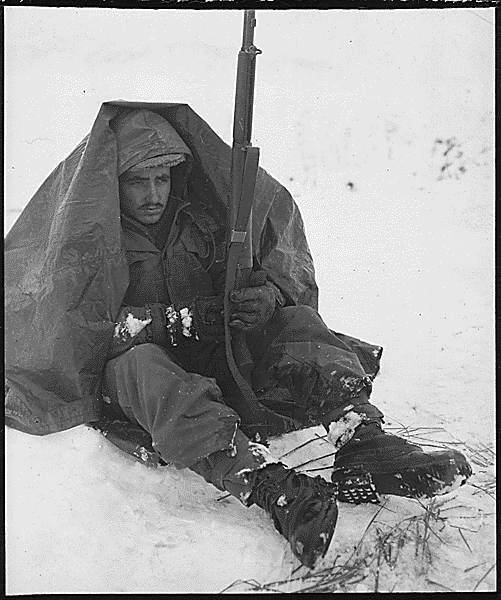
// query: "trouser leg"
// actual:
[[302, 369], [183, 412], [307, 371], [228, 470]]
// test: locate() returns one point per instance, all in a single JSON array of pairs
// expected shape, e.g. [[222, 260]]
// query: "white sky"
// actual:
[[355, 68]]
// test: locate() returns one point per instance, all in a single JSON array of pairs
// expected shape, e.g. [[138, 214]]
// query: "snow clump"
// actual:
[[260, 451], [186, 320], [341, 432], [131, 326]]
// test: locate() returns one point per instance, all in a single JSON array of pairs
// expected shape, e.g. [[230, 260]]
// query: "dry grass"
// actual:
[[379, 548], [411, 543], [414, 540], [331, 579]]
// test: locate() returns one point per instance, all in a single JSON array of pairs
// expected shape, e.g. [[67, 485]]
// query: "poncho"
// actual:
[[66, 272]]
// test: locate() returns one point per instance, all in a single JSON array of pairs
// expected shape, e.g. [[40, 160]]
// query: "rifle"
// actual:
[[244, 168]]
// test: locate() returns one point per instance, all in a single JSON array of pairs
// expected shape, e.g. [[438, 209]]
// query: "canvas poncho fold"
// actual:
[[66, 271]]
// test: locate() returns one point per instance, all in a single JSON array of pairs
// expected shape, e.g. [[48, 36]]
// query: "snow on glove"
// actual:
[[254, 306], [138, 325]]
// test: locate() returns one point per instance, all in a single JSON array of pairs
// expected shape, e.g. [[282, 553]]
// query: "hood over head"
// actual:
[[145, 137], [164, 160]]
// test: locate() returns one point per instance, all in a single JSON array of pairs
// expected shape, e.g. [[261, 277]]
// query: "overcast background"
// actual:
[[354, 79]]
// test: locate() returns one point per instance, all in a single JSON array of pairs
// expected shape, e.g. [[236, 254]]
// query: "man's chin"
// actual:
[[149, 221], [146, 219]]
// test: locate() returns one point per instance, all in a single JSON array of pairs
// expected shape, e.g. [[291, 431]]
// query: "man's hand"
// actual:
[[208, 319], [135, 325], [252, 306]]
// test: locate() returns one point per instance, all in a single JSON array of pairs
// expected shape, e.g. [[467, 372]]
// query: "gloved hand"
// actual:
[[167, 326], [135, 325], [253, 306], [208, 319]]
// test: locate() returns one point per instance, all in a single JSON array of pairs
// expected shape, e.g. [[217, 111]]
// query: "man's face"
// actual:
[[144, 193]]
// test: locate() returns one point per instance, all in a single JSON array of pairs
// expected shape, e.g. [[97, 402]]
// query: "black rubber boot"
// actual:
[[303, 509], [373, 462]]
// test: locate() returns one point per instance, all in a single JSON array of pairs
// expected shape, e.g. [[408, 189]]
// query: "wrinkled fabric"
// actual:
[[66, 270], [303, 371], [143, 136], [183, 412], [229, 471]]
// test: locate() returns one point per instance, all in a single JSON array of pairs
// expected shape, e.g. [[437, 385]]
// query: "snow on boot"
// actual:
[[373, 462], [303, 509]]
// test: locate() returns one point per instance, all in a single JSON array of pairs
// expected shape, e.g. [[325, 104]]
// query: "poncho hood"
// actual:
[[143, 135], [66, 272]]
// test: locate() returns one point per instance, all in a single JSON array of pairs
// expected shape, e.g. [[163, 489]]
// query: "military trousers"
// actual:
[[302, 370]]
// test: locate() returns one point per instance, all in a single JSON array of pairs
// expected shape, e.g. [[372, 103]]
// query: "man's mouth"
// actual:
[[151, 209]]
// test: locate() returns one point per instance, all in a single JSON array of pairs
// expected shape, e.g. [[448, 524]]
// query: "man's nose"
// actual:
[[153, 192]]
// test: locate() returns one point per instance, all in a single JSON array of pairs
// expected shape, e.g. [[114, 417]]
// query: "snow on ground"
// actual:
[[95, 521], [392, 170]]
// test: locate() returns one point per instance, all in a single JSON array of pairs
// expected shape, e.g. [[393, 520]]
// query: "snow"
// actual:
[[282, 500], [350, 108], [171, 317], [186, 321], [459, 480], [116, 526], [341, 431], [262, 452], [130, 327]]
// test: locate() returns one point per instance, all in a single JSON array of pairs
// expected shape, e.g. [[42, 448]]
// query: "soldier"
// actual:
[[143, 328]]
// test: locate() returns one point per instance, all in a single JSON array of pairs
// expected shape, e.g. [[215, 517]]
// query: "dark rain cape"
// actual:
[[66, 271]]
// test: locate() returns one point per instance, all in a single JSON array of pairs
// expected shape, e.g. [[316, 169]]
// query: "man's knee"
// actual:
[[139, 352], [138, 357], [123, 372], [300, 312], [294, 324]]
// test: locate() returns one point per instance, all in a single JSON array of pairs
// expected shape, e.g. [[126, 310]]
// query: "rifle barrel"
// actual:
[[248, 34], [244, 95]]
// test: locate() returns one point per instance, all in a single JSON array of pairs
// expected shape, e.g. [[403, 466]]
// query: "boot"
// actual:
[[303, 508], [373, 462]]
